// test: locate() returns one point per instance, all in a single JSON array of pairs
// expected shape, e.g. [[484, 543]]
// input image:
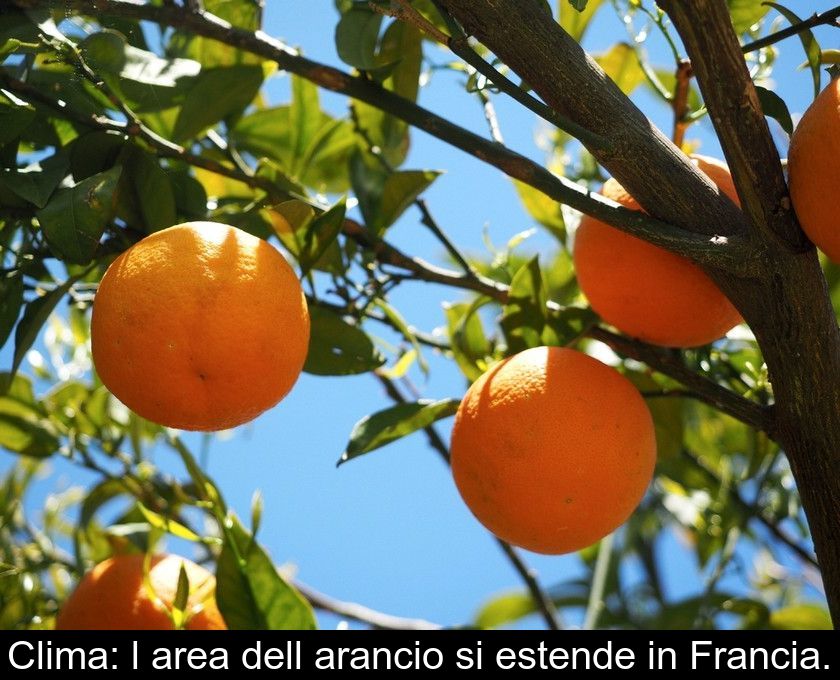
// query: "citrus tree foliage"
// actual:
[[112, 128]]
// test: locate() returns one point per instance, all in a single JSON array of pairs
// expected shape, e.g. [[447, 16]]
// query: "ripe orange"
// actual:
[[814, 171], [552, 450], [646, 291], [113, 596], [201, 326]]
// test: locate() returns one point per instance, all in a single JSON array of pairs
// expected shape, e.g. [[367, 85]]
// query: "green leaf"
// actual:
[[151, 83], [523, 317], [189, 195], [470, 345], [11, 300], [504, 608], [546, 211], [356, 36], [250, 592], [337, 348], [151, 195], [809, 44], [322, 164], [321, 235], [401, 56], [801, 617], [168, 525], [15, 116], [575, 19], [34, 317], [204, 107], [401, 325], [668, 78], [245, 14], [621, 64], [37, 182], [774, 107], [745, 13], [568, 325], [182, 595], [390, 424], [367, 177], [94, 152], [402, 46], [399, 191], [104, 51], [667, 413], [75, 219], [305, 117], [25, 437], [98, 496], [23, 428]]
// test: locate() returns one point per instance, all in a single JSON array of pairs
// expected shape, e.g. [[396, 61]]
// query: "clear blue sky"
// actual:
[[389, 530]]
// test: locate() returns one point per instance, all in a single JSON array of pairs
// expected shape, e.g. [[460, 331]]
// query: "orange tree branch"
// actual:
[[830, 17], [529, 40], [736, 113], [787, 304]]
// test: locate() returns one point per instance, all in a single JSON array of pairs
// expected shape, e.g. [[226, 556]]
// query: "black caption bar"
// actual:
[[435, 652]]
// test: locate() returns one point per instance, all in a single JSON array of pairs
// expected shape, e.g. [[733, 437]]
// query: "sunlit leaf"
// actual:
[[809, 44], [251, 593], [337, 348], [390, 424], [75, 218], [576, 16]]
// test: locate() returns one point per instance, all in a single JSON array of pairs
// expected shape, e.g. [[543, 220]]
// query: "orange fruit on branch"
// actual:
[[114, 596], [201, 326], [648, 292], [814, 171], [552, 450]]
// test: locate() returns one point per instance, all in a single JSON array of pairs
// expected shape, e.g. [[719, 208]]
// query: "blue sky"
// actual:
[[389, 529]]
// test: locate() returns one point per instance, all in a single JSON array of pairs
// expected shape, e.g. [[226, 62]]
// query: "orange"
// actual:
[[646, 291], [113, 596], [552, 450], [201, 326], [814, 171]]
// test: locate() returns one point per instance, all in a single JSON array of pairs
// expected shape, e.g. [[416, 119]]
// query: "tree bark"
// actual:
[[789, 309], [530, 42], [783, 297]]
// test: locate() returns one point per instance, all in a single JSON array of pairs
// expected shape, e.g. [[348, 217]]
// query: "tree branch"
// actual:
[[360, 613], [718, 62], [533, 44], [669, 363], [829, 18], [713, 243]]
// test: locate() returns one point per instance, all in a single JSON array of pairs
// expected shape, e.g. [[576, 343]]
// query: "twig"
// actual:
[[362, 614], [541, 599], [679, 102], [490, 117], [599, 581], [829, 18], [731, 254]]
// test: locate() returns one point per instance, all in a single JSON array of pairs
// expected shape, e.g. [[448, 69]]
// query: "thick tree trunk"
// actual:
[[781, 292]]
